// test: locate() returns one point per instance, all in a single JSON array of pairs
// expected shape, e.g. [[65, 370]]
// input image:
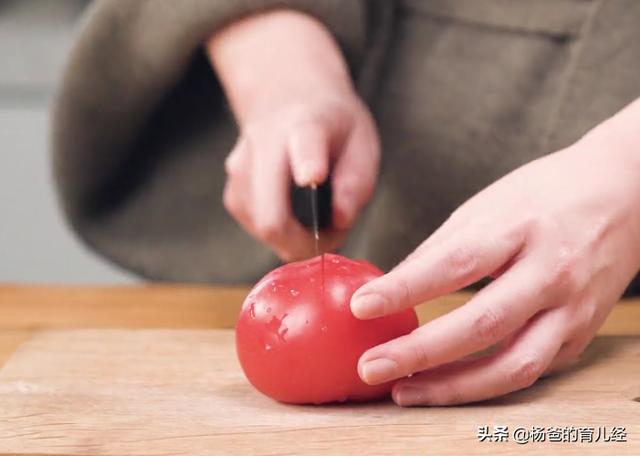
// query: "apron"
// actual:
[[463, 92]]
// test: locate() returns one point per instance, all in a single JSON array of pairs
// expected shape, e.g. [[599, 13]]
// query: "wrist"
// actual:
[[613, 149], [617, 139], [269, 59]]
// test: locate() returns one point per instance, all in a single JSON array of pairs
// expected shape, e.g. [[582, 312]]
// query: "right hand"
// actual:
[[302, 140], [297, 123]]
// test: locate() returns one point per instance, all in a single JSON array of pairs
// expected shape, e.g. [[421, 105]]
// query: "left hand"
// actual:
[[561, 238]]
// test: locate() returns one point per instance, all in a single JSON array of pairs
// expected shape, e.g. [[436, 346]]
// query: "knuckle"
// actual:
[[579, 347], [231, 166], [448, 394], [406, 293], [562, 277], [462, 261], [440, 393], [580, 317], [546, 283], [229, 201], [310, 123], [527, 371], [420, 357], [535, 221], [530, 221], [490, 326], [250, 131], [566, 270]]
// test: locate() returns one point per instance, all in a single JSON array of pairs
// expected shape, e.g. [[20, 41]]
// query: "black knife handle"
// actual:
[[301, 205]]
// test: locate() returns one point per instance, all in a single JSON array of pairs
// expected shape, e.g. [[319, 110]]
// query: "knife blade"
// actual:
[[315, 226], [315, 217]]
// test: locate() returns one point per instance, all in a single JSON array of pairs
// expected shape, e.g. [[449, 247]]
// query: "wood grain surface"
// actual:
[[144, 392], [166, 383], [182, 306]]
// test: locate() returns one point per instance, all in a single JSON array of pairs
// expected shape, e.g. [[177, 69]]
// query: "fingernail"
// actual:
[[305, 174], [406, 396], [379, 371], [368, 305]]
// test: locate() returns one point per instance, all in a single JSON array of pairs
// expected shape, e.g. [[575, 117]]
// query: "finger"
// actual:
[[513, 368], [568, 355], [355, 175], [235, 194], [495, 312], [236, 199], [444, 268], [309, 151], [232, 200], [293, 243], [236, 161], [271, 215], [269, 189], [583, 324], [453, 225]]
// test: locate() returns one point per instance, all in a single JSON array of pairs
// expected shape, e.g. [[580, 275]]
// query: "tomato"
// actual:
[[297, 340]]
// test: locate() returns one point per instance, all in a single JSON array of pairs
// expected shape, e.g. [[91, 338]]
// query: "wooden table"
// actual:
[[43, 319]]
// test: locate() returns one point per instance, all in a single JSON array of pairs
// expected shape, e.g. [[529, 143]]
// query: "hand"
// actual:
[[300, 119], [561, 238], [303, 139]]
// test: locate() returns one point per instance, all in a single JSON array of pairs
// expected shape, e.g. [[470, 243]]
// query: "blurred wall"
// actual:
[[35, 243]]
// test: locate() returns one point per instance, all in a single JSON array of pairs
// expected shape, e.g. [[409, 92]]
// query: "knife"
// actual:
[[312, 208], [315, 222]]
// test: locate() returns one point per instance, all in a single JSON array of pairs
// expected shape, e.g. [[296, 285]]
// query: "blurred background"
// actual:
[[35, 243]]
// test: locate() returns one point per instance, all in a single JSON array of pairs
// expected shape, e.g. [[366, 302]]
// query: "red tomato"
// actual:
[[298, 341]]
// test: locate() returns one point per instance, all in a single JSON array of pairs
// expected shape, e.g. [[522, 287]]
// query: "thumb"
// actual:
[[309, 153]]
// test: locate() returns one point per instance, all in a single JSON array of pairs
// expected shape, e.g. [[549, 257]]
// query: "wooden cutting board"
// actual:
[[173, 392]]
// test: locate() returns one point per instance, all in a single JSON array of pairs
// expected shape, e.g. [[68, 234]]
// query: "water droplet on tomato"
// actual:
[[294, 292], [267, 347], [323, 329], [278, 327], [268, 310], [252, 310], [335, 260], [282, 331]]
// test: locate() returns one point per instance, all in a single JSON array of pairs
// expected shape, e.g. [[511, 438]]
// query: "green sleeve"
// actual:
[[140, 130]]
